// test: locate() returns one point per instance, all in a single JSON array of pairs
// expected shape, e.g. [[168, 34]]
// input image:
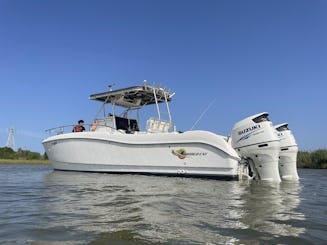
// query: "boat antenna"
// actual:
[[204, 112]]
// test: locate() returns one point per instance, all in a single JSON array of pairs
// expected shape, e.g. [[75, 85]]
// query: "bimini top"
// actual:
[[132, 97]]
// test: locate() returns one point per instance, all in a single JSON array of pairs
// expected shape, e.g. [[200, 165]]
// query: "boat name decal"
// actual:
[[182, 153]]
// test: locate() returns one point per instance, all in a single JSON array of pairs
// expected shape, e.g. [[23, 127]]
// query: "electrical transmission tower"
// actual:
[[11, 138]]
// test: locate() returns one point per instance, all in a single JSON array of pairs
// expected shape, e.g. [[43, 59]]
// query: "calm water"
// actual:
[[41, 206]]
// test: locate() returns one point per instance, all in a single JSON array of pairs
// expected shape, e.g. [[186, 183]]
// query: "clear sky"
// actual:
[[246, 56]]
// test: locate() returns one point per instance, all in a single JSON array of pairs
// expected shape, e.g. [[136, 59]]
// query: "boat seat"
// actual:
[[157, 126]]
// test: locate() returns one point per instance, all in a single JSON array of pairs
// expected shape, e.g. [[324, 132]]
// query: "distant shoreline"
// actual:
[[24, 161]]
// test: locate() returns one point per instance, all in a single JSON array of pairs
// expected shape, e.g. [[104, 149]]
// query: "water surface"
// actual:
[[41, 206]]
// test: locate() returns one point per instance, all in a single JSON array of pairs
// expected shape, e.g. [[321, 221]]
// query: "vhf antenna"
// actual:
[[204, 112]]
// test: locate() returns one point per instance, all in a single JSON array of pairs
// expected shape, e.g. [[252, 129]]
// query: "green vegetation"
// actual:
[[23, 161], [314, 159], [8, 155]]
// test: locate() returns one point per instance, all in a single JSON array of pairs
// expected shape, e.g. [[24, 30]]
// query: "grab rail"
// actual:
[[58, 130], [63, 129]]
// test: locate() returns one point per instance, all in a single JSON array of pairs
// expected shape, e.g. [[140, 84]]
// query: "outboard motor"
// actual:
[[288, 153], [255, 139]]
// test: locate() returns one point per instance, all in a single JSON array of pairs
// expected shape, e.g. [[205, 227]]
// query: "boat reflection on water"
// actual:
[[272, 210], [94, 207]]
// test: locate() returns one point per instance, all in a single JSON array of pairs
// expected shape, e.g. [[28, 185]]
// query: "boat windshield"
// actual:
[[126, 124]]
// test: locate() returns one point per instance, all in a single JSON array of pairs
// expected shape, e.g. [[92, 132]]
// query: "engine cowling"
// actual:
[[255, 139], [288, 153]]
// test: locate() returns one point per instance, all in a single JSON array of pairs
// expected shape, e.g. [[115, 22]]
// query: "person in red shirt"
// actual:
[[79, 127]]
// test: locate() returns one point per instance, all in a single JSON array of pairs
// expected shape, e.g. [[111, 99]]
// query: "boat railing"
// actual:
[[69, 128], [59, 130]]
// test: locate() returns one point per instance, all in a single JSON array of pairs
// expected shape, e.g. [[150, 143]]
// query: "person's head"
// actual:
[[80, 122]]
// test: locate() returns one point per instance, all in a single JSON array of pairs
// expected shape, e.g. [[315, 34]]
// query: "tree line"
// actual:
[[312, 159], [9, 153]]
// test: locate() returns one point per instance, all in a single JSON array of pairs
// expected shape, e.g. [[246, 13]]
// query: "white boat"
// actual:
[[117, 144]]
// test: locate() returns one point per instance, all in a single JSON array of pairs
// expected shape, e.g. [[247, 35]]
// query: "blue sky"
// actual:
[[246, 56]]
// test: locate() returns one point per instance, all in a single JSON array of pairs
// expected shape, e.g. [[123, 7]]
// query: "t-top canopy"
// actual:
[[133, 96]]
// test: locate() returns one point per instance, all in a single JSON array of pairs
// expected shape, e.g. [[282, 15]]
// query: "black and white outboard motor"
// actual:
[[255, 140], [288, 153]]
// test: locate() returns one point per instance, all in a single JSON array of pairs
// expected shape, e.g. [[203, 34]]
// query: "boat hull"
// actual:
[[188, 154]]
